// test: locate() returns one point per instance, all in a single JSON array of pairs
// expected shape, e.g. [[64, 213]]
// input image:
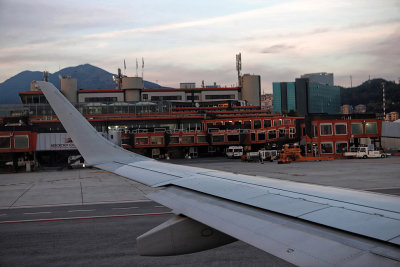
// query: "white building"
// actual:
[[188, 95], [102, 96]]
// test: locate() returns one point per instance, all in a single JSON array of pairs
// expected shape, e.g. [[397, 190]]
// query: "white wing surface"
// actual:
[[308, 225]]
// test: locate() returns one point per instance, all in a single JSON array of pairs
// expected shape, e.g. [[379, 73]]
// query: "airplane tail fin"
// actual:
[[91, 144]]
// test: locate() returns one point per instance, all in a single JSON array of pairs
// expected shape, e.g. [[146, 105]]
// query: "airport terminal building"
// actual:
[[184, 121]]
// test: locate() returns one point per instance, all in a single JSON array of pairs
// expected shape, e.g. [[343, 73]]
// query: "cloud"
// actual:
[[277, 48], [278, 39]]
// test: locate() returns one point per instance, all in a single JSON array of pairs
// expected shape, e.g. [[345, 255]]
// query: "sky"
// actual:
[[191, 41]]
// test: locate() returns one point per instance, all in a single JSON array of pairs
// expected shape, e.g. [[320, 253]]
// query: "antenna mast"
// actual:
[[351, 81], [137, 66], [142, 68], [239, 68], [383, 99]]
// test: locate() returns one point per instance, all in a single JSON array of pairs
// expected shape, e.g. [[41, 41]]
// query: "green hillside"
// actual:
[[370, 94]]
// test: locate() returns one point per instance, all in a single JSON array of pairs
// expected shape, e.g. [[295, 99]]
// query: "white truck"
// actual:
[[234, 152], [364, 152]]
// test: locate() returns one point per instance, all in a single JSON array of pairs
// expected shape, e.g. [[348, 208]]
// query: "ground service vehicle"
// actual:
[[234, 152], [364, 152], [268, 154]]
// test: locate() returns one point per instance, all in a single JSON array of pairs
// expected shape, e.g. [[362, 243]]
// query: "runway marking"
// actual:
[[3, 214], [79, 210], [159, 207], [78, 203], [88, 218], [125, 208], [40, 212]]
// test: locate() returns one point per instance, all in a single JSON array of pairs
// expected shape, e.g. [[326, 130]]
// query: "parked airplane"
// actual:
[[307, 225]]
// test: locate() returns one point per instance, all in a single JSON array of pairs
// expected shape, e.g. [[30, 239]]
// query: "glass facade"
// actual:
[[276, 101], [291, 96], [305, 97], [323, 98]]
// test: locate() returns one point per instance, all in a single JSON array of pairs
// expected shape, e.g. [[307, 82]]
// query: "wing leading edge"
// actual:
[[341, 216]]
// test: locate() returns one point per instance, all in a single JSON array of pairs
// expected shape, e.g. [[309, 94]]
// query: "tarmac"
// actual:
[[93, 186], [89, 217]]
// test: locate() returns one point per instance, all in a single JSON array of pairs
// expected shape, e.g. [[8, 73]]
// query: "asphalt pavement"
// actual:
[[103, 235], [92, 217]]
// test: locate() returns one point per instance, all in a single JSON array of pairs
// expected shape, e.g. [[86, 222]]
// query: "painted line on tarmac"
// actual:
[[39, 212], [88, 218], [128, 208], [80, 210], [159, 206], [3, 214], [77, 203]]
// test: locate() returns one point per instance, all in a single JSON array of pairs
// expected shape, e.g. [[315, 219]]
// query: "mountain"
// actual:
[[89, 78], [370, 94]]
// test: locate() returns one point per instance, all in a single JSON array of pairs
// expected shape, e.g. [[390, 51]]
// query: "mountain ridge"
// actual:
[[89, 78]]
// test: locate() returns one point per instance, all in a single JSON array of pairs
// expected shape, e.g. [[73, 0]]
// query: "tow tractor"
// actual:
[[292, 152]]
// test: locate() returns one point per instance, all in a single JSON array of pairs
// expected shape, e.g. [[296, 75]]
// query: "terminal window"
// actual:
[[261, 136], [218, 138], [195, 97], [282, 132], [201, 139], [100, 99], [157, 140], [5, 142], [21, 141], [371, 128], [340, 128], [326, 129], [326, 148], [188, 139], [314, 130], [341, 147], [267, 123], [174, 140], [233, 138], [166, 97], [356, 128], [272, 134], [141, 140], [247, 124], [220, 96]]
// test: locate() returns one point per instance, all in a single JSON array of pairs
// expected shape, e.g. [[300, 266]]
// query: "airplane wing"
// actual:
[[307, 225]]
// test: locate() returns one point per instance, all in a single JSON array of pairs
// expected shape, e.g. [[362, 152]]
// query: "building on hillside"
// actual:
[[392, 116], [320, 77], [360, 108], [346, 109], [305, 97]]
